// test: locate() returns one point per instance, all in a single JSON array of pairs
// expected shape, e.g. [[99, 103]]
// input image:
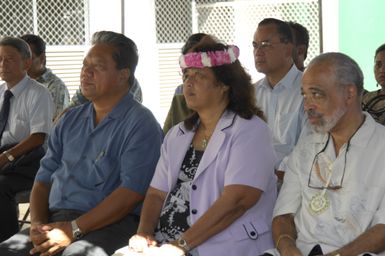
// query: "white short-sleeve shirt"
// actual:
[[31, 111], [356, 207]]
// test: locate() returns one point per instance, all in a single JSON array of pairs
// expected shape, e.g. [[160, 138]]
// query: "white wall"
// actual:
[[139, 25], [330, 25], [105, 15]]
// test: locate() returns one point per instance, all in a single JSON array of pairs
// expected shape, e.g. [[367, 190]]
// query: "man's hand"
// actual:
[[289, 250], [3, 160], [49, 239], [287, 247]]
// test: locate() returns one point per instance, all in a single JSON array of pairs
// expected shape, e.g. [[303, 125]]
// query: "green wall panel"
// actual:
[[361, 31]]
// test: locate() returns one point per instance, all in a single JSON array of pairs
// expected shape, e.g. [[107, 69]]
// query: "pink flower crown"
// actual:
[[209, 59]]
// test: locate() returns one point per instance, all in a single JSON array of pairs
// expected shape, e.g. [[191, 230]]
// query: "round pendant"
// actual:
[[319, 203]]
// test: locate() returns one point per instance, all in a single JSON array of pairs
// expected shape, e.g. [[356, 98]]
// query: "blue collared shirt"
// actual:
[[85, 163]]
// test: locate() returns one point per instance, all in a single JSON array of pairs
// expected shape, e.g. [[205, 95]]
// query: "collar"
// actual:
[[45, 76], [287, 81], [20, 86], [125, 103]]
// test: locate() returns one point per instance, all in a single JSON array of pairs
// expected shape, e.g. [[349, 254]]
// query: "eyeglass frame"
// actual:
[[316, 159], [264, 45]]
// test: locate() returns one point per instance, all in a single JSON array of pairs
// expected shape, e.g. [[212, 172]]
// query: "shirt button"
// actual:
[[194, 187], [194, 211]]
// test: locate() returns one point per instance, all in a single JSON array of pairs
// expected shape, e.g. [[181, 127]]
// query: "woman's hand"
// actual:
[[139, 243]]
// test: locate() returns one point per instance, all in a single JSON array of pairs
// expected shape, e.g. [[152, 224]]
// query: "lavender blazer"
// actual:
[[239, 152]]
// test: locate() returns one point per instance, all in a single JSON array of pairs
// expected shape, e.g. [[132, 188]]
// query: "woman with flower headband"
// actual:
[[214, 187]]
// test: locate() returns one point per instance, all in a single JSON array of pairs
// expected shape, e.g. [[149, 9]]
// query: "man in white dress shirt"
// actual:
[[278, 94], [332, 201], [26, 128]]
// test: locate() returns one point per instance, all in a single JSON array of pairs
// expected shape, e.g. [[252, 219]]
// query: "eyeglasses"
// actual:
[[264, 45], [322, 165]]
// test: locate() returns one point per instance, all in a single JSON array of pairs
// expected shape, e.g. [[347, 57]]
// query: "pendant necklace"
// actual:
[[320, 201], [205, 140]]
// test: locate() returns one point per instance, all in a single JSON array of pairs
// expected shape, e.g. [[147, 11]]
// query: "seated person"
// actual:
[[301, 44], [26, 112], [278, 94], [374, 102], [214, 187], [44, 75], [101, 157], [332, 201]]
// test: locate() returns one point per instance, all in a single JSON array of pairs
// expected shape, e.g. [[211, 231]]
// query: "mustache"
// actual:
[[313, 113]]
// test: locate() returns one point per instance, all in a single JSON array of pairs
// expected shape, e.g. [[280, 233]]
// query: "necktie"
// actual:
[[4, 112]]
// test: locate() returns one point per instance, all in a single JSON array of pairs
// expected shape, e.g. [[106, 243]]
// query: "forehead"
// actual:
[[101, 52], [319, 76], [380, 55], [266, 32], [9, 50]]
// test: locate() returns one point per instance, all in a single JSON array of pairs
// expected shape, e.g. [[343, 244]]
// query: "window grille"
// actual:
[[230, 21], [62, 24]]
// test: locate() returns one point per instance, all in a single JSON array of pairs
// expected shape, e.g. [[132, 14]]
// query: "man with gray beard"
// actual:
[[332, 201]]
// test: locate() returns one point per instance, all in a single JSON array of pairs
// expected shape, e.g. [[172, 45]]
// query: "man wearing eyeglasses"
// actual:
[[332, 201], [278, 93]]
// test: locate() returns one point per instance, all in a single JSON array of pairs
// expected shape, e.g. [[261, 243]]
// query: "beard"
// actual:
[[326, 123]]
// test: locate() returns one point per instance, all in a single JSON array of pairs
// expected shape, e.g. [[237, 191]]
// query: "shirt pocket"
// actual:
[[365, 203], [250, 229], [103, 170], [18, 128]]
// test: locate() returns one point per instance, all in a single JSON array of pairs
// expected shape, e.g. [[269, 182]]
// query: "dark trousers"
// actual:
[[15, 177], [101, 242]]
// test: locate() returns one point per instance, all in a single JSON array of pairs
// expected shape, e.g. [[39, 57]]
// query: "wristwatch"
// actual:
[[76, 232], [9, 156], [183, 244]]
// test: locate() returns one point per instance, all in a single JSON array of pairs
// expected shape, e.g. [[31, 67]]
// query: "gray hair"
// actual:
[[126, 52], [346, 70], [19, 44]]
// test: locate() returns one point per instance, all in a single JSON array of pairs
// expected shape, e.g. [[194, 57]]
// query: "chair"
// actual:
[[22, 197]]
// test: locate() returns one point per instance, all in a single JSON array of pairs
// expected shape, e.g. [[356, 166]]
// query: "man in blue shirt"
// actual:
[[100, 159]]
